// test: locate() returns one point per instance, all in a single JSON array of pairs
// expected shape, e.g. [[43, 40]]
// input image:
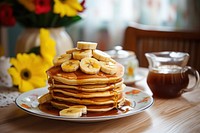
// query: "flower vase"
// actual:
[[30, 38]]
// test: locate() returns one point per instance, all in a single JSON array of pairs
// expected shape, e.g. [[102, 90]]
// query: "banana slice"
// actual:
[[80, 54], [112, 60], [71, 113], [62, 58], [82, 107], [100, 55], [70, 65], [108, 67], [45, 98], [86, 45], [90, 65], [70, 51]]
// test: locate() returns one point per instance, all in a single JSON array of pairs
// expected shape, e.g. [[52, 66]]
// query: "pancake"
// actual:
[[86, 77], [87, 101], [80, 78], [92, 108], [82, 94], [85, 88]]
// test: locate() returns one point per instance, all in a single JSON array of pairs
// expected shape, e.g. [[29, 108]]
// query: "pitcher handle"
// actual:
[[194, 73]]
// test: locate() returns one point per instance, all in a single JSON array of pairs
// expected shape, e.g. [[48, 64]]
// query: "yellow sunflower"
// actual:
[[47, 47], [28, 72], [28, 4], [67, 7]]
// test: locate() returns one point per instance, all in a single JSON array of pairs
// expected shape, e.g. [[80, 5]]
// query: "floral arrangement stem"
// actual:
[[55, 19]]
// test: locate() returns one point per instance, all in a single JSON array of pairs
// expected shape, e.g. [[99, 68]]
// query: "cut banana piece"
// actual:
[[108, 67], [45, 98], [82, 107], [71, 113], [70, 65], [86, 45], [62, 58], [100, 55], [113, 61], [70, 51], [90, 65], [80, 54]]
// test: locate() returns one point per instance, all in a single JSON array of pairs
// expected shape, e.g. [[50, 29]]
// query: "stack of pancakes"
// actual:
[[98, 92]]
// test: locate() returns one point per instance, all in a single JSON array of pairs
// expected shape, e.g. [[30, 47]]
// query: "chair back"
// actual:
[[142, 39]]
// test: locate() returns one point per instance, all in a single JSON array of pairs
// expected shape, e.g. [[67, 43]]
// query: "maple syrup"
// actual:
[[49, 109], [53, 71], [167, 82]]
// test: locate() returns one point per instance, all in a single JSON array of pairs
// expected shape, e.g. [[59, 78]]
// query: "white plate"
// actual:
[[28, 102]]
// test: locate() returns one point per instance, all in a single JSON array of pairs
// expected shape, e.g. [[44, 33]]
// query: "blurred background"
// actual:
[[104, 21]]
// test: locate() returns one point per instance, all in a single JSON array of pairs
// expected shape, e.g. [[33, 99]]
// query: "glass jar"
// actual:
[[127, 59]]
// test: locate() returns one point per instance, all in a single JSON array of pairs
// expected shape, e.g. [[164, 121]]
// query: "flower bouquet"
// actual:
[[27, 71], [40, 13]]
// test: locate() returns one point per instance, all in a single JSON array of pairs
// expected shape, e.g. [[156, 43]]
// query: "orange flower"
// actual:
[[28, 4]]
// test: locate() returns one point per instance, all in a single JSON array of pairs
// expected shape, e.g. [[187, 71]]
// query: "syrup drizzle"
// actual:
[[48, 108]]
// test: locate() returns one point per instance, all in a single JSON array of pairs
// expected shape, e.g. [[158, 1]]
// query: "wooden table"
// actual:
[[180, 115]]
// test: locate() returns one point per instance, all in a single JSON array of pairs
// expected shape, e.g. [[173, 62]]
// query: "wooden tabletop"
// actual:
[[179, 115]]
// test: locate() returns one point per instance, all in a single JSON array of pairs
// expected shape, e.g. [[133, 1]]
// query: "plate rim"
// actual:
[[81, 119]]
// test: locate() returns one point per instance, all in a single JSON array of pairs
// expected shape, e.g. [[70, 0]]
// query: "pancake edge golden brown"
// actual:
[[87, 88], [89, 94], [63, 106], [90, 101], [87, 81]]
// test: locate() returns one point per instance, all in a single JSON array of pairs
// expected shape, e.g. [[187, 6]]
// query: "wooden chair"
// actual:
[[141, 39]]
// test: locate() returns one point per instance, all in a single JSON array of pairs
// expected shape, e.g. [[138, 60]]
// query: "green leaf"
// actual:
[[67, 21], [35, 50]]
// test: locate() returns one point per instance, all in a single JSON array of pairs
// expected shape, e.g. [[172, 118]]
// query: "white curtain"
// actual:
[[104, 21]]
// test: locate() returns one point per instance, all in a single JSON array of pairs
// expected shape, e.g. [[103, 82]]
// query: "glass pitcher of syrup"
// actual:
[[169, 76]]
